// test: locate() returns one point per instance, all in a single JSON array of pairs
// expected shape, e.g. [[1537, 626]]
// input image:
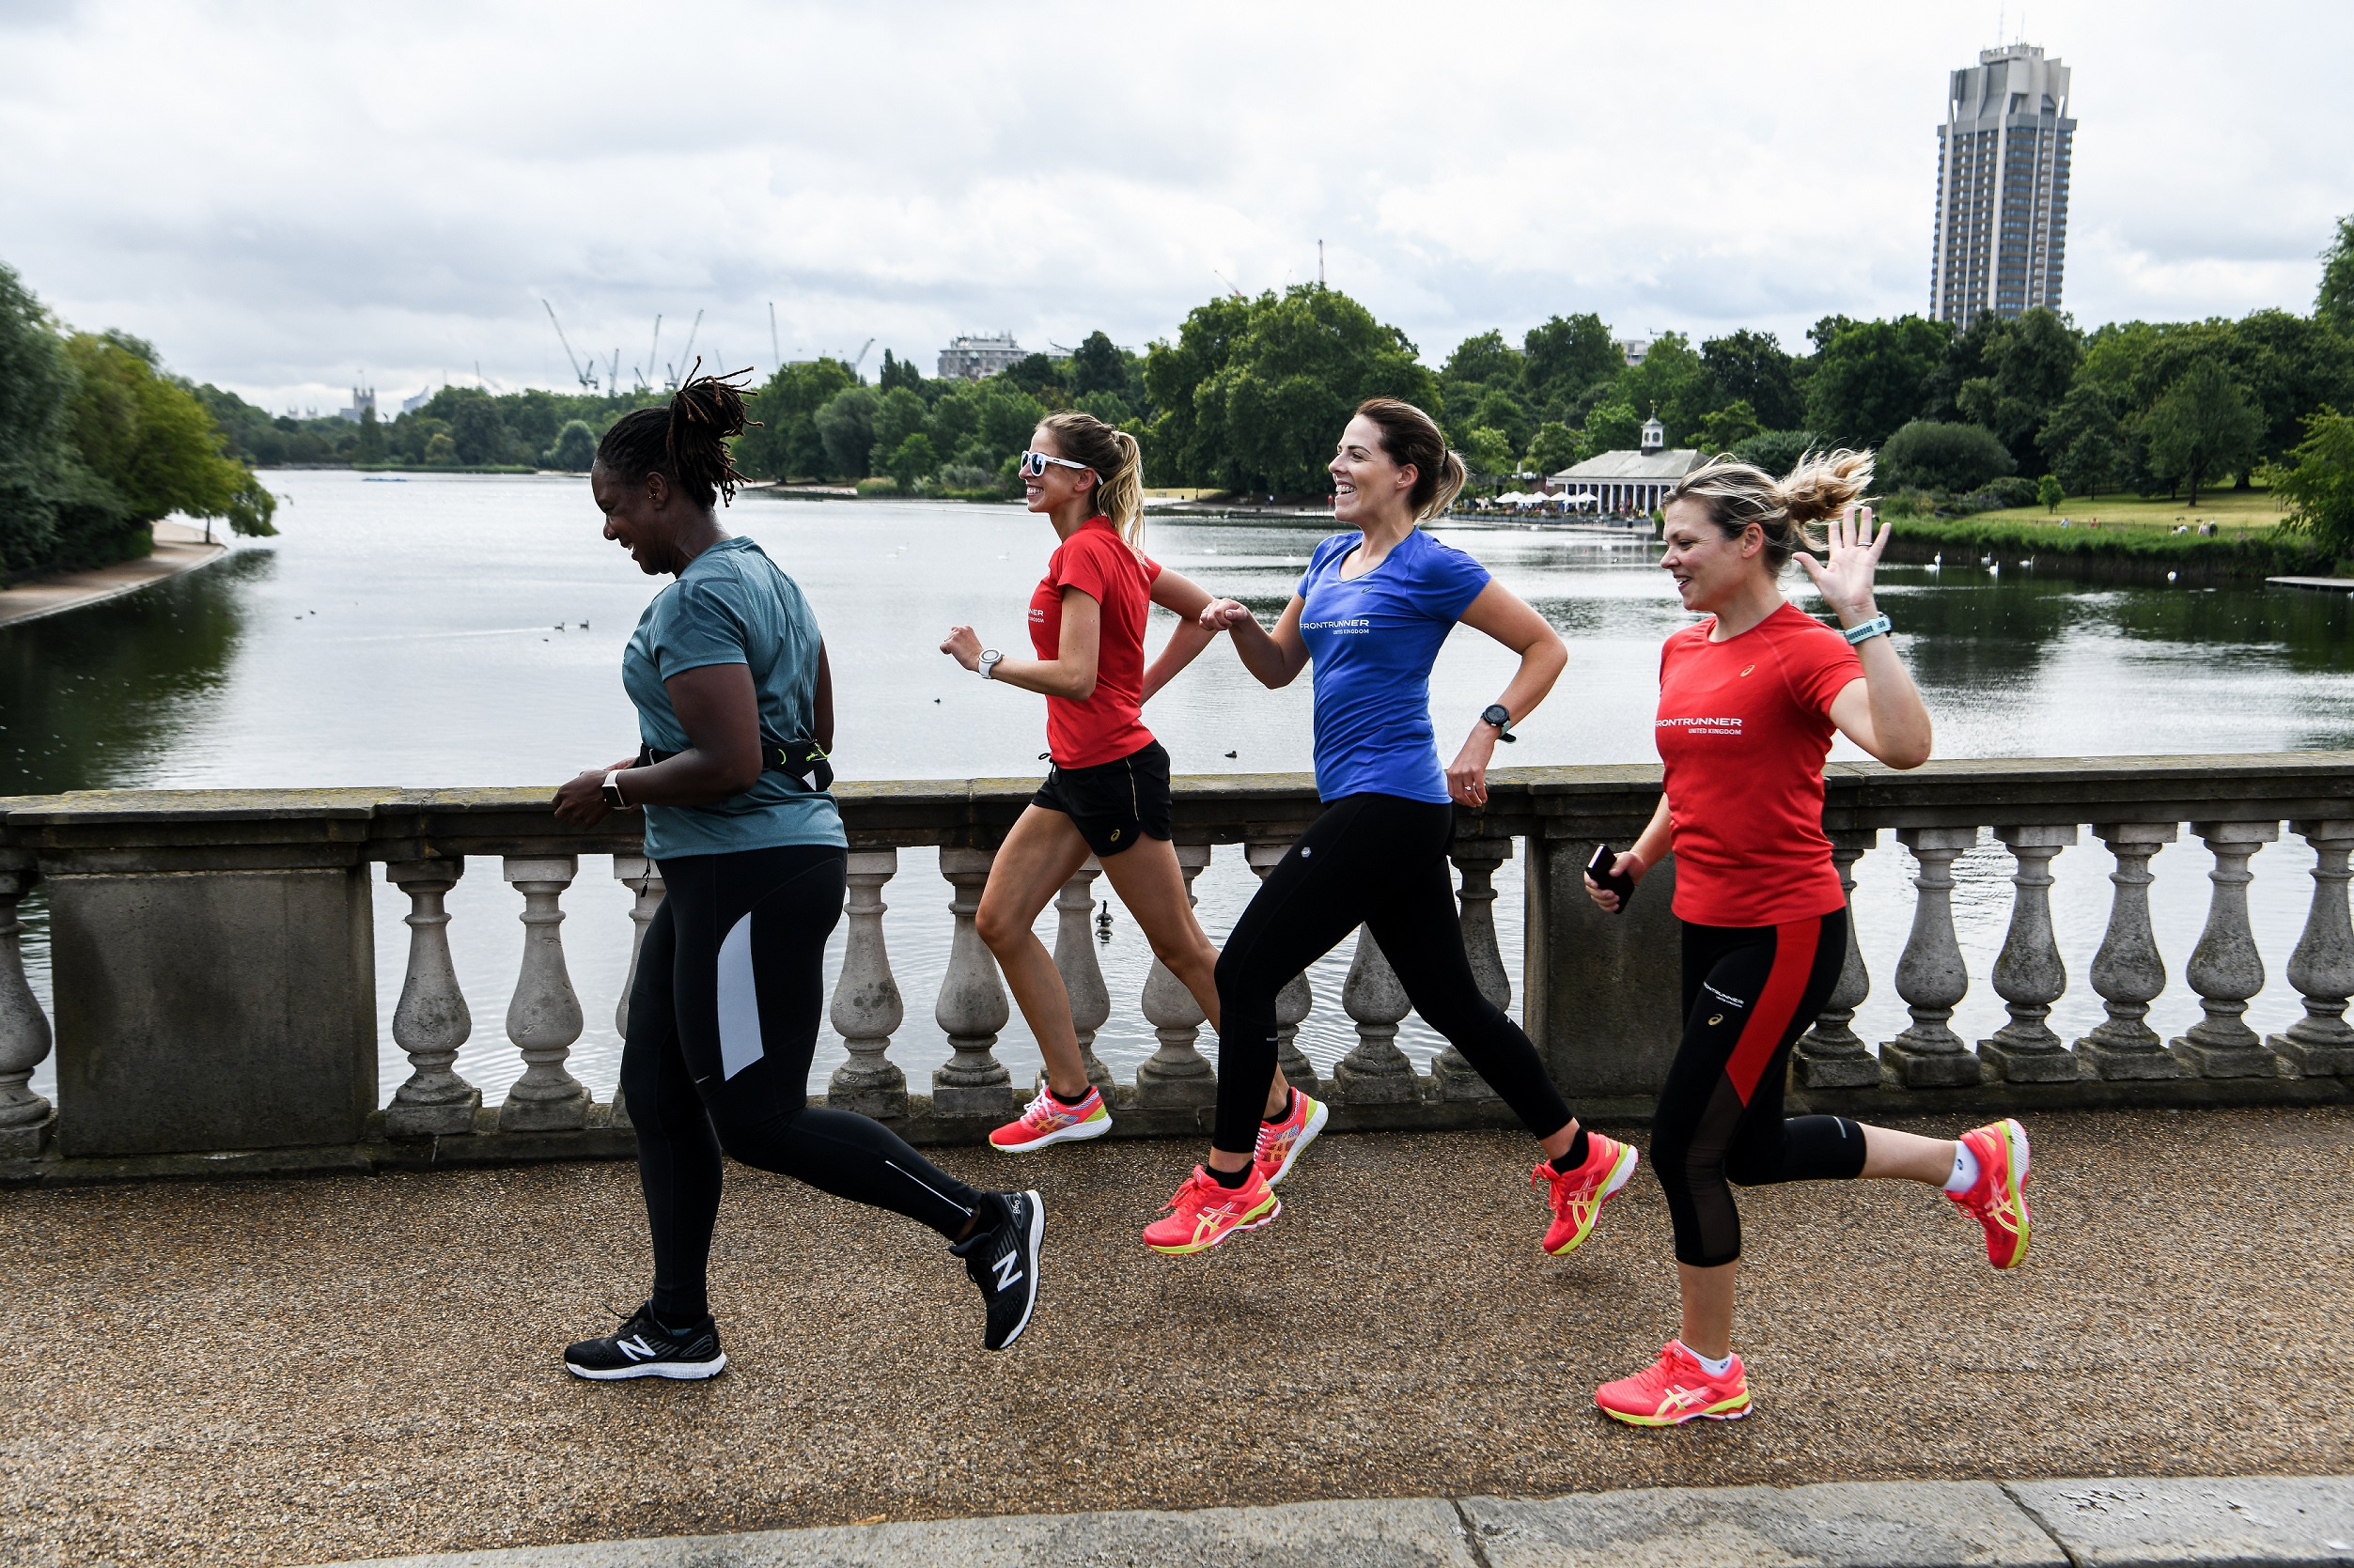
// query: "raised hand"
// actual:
[[1845, 581]]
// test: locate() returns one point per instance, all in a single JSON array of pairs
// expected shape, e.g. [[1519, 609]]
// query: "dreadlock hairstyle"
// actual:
[[684, 440], [1736, 494], [1118, 464], [1411, 436]]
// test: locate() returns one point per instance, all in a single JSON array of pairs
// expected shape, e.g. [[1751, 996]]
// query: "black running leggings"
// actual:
[[722, 1023], [1748, 993], [1380, 860]]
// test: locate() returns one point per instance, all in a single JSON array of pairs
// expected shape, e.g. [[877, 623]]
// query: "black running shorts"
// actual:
[[1112, 804]]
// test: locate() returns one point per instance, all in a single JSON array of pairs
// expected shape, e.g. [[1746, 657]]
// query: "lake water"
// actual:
[[407, 634]]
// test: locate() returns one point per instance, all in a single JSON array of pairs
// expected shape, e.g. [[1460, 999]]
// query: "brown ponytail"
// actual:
[[1410, 436]]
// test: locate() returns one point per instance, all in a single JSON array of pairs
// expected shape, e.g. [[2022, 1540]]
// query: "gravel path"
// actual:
[[274, 1373]]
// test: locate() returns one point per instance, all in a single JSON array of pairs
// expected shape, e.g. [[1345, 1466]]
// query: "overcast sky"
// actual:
[[283, 197]]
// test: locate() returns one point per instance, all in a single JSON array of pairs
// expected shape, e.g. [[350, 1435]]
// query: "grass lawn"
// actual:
[[2237, 511]]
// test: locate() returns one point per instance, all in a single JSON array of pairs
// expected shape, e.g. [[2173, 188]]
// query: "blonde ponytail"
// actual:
[[1736, 495], [1119, 463]]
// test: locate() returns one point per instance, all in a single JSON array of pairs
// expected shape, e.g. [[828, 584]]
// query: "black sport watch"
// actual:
[[1494, 714]]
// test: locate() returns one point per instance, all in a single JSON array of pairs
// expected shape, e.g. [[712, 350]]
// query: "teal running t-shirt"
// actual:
[[732, 605]]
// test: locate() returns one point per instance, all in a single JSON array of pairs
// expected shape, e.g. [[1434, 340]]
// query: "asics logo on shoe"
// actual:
[[1680, 1397], [635, 1348], [1008, 1270]]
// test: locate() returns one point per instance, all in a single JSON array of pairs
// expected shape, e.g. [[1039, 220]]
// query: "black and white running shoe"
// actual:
[[642, 1347], [1002, 1259]]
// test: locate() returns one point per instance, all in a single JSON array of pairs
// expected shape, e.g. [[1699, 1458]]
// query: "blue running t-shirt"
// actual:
[[1373, 640], [732, 605]]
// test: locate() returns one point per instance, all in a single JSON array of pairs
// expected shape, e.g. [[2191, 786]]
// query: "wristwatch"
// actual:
[[1879, 625], [1494, 714], [612, 791], [989, 663]]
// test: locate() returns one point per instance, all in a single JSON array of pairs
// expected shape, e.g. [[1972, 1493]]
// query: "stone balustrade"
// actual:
[[214, 982]]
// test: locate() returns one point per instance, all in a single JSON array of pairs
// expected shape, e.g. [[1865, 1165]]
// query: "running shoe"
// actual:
[[1047, 1120], [642, 1347], [1203, 1213], [1998, 1198], [1002, 1257], [1282, 1143], [1578, 1196], [1674, 1390]]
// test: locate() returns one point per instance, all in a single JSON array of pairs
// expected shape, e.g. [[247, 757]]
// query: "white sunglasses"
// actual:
[[1034, 463]]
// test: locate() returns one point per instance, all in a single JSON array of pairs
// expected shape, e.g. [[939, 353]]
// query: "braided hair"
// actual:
[[685, 441]]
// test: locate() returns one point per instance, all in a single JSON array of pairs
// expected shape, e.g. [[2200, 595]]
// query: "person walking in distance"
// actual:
[[735, 705], [1108, 791], [1371, 612], [1749, 700]]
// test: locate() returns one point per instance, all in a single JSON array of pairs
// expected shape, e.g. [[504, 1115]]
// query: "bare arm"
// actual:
[[1505, 616], [1071, 673], [1883, 712], [1182, 595], [718, 709], [1274, 657], [821, 715]]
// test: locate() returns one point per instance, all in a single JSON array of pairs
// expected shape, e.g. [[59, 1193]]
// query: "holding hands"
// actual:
[[1225, 614], [1846, 581]]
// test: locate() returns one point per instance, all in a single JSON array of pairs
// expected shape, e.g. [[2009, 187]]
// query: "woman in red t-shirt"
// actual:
[[1108, 791], [1749, 700]]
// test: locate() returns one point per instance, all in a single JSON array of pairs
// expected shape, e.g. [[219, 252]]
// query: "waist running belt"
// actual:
[[798, 760]]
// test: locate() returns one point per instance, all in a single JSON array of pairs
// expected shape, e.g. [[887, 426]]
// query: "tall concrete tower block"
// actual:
[[2001, 230]]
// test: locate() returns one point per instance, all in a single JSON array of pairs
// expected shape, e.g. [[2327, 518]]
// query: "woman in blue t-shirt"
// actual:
[[1370, 614], [734, 707]]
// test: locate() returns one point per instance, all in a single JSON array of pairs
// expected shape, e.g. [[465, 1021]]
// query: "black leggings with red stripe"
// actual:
[[1748, 993]]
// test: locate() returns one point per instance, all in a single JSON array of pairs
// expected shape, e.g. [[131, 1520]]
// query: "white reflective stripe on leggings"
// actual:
[[738, 1003]]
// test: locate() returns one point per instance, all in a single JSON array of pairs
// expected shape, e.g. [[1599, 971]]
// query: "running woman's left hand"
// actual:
[[963, 644], [1467, 775], [1845, 582]]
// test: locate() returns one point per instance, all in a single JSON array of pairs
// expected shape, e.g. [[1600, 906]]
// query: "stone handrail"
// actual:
[[214, 971]]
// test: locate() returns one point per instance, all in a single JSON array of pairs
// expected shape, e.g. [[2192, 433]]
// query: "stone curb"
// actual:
[[2272, 1521]]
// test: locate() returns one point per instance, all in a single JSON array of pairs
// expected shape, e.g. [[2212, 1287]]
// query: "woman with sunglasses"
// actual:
[[1108, 791], [1371, 612]]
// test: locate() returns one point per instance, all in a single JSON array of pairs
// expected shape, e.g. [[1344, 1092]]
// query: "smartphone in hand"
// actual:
[[1599, 869]]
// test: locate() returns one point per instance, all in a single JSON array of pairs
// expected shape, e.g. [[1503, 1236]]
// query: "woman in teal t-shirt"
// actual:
[[735, 709]]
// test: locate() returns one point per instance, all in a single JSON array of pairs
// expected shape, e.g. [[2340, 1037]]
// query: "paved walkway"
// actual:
[[304, 1370], [178, 548], [1883, 1524]]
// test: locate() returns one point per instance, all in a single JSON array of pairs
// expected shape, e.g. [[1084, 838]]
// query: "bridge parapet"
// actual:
[[215, 979]]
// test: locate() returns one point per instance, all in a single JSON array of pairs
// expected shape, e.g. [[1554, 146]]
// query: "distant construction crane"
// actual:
[[1227, 281], [775, 346], [587, 377], [613, 374], [672, 384], [862, 357]]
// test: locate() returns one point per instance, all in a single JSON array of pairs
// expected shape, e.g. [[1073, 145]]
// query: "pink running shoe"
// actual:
[[1203, 1213], [1674, 1390], [1998, 1201], [1047, 1120], [1578, 1196], [1282, 1143]]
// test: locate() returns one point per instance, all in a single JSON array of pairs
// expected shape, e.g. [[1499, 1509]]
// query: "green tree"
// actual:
[[1778, 452], [152, 441], [896, 374], [1553, 448], [2291, 367], [55, 514], [1563, 356], [2319, 483], [786, 444], [1098, 365], [1726, 427], [1613, 426], [1040, 377], [1110, 407], [2048, 490], [1505, 414], [1673, 382], [847, 425], [477, 428], [913, 459], [1482, 362], [441, 451], [899, 415], [2335, 300], [2081, 442], [2029, 366], [1930, 455], [1869, 377], [368, 450], [575, 448], [2203, 427], [1486, 452], [1753, 368]]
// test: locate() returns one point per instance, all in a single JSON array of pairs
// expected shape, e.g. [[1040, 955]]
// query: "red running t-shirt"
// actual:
[[1111, 724], [1744, 726]]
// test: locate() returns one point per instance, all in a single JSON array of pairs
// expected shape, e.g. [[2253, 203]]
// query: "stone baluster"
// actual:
[[2028, 975], [26, 1118], [973, 1006], [544, 1018], [2129, 972], [1930, 975], [1375, 1072], [642, 877], [867, 1009], [2225, 969], [1295, 1001], [2322, 968], [1477, 859], [431, 1022], [1829, 1056], [1178, 1072], [1083, 974]]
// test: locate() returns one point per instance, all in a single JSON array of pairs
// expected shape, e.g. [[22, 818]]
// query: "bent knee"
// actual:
[[999, 926]]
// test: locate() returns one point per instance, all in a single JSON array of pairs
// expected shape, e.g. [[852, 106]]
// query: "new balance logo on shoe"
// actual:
[[1008, 1270], [635, 1348]]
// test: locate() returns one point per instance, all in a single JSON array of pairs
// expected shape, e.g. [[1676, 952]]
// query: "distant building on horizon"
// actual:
[[970, 358], [1631, 483], [1631, 349], [362, 403], [2001, 237]]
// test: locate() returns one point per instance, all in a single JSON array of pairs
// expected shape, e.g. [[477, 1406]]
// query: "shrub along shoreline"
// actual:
[[2116, 555]]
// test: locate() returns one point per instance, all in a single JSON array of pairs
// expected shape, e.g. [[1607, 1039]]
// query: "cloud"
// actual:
[[283, 199]]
